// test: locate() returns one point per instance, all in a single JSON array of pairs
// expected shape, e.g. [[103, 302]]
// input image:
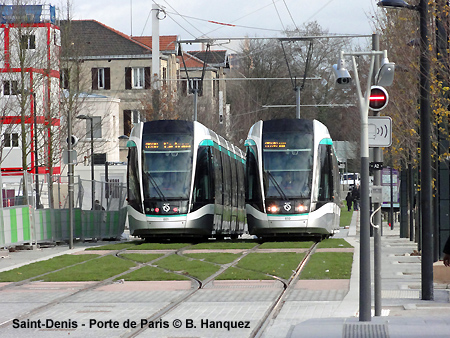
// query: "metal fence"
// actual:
[[35, 209]]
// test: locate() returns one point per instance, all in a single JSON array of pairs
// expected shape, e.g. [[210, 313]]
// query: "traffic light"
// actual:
[[378, 98]]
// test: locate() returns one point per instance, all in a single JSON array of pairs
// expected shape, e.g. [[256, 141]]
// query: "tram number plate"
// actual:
[[287, 218]]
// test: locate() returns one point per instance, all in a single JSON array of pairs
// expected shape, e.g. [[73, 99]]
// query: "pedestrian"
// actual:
[[97, 206], [447, 252], [356, 196], [349, 200]]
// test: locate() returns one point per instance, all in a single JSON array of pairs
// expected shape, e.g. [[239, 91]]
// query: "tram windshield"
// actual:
[[167, 166], [288, 160]]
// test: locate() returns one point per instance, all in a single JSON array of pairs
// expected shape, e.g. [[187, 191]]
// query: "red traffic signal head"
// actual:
[[378, 98]]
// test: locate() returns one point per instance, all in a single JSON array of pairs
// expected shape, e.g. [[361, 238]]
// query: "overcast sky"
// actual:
[[253, 18]]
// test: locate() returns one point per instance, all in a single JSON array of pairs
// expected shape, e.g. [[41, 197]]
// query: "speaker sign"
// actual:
[[380, 131]]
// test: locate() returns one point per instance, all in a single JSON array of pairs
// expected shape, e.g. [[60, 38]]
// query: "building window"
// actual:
[[10, 87], [194, 83], [130, 118], [99, 159], [28, 42], [164, 76], [101, 78], [64, 78], [135, 116], [11, 140], [97, 124], [137, 78]]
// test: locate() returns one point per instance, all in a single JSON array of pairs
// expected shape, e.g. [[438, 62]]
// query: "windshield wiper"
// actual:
[[155, 185], [277, 186]]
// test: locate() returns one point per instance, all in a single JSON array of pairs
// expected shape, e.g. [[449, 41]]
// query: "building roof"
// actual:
[[190, 61], [215, 58], [167, 43], [92, 38]]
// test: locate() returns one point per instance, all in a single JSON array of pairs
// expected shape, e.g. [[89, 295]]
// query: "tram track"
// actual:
[[278, 304], [197, 285]]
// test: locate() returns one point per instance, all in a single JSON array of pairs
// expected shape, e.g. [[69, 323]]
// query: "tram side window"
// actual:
[[253, 194], [204, 181], [234, 183], [326, 170], [218, 176], [134, 191], [226, 179]]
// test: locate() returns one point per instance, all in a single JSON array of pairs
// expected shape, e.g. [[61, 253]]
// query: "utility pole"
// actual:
[[156, 85]]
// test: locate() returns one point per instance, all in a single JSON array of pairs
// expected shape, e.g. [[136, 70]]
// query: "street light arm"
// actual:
[[397, 4]]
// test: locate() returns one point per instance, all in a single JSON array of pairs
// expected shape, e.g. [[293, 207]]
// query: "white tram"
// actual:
[[184, 181], [292, 186]]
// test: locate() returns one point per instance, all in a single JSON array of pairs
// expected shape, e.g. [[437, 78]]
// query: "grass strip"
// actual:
[[94, 270], [279, 264], [141, 258], [328, 265], [150, 273], [39, 268], [215, 257], [346, 217], [234, 273], [195, 268], [224, 245], [286, 245], [116, 246], [334, 243], [161, 246]]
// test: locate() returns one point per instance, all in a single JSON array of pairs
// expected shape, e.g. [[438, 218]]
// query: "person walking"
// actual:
[[349, 200], [447, 252], [356, 196]]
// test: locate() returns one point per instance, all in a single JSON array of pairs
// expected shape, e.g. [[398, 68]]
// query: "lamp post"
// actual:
[[343, 79], [85, 117], [425, 142]]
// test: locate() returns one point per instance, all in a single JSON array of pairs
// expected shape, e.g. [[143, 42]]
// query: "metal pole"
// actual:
[[391, 208], [297, 101], [425, 141], [195, 103], [92, 162], [365, 280], [36, 164], [70, 177], [378, 157]]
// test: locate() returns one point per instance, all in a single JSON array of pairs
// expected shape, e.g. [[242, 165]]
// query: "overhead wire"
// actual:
[[279, 17]]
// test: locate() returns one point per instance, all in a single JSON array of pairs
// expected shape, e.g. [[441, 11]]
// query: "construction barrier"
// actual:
[[23, 224]]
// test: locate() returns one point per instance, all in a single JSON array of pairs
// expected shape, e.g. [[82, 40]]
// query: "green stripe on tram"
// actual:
[[326, 141], [207, 143], [249, 143], [211, 143], [178, 215], [287, 215]]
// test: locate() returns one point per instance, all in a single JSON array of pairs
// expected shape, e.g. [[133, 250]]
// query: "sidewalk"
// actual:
[[404, 314], [16, 259]]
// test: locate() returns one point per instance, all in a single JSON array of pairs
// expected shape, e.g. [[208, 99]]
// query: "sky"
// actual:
[[254, 18]]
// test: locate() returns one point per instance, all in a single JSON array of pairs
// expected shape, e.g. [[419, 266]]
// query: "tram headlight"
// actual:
[[302, 208], [272, 209]]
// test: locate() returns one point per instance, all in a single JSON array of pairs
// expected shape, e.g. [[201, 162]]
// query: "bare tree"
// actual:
[[268, 59]]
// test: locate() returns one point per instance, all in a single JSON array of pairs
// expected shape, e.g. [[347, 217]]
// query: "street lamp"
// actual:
[[425, 141], [85, 117], [343, 79]]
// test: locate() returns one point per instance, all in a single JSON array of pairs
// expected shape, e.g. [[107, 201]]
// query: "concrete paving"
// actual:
[[226, 309]]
